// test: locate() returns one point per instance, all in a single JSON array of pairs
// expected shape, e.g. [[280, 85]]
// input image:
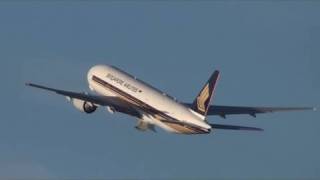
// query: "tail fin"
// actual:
[[202, 102]]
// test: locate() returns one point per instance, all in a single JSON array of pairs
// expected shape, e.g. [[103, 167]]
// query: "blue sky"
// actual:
[[267, 52]]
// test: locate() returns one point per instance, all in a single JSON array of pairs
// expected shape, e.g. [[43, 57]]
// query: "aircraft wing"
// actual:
[[252, 111], [115, 102], [98, 100]]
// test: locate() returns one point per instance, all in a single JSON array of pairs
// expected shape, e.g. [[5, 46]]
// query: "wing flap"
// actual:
[[144, 126]]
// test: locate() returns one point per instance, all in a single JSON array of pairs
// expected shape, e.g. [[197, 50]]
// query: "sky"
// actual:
[[267, 52]]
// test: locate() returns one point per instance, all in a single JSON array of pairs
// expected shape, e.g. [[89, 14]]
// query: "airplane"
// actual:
[[121, 92]]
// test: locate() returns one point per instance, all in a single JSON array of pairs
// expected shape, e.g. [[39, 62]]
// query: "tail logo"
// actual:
[[202, 98]]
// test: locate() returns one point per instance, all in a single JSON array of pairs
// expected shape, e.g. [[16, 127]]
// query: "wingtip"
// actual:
[[255, 129], [30, 84]]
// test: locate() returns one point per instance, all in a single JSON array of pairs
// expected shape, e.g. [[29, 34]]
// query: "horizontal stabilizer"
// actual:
[[233, 127]]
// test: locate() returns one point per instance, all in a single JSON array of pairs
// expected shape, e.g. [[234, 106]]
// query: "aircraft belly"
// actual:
[[176, 127], [182, 129]]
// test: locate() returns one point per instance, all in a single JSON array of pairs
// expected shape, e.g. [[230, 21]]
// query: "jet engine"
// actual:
[[83, 106]]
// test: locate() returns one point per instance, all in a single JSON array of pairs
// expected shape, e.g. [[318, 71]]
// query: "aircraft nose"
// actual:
[[96, 70], [90, 72]]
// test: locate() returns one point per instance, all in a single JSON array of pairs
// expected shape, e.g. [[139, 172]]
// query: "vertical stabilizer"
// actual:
[[202, 102]]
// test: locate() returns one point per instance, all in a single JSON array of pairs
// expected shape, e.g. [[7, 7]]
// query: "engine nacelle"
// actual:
[[84, 106]]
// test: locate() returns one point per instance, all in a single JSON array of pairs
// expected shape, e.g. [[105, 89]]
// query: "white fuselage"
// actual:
[[155, 107]]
